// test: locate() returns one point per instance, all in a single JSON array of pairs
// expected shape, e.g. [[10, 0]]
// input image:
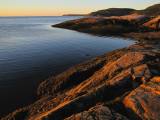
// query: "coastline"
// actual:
[[59, 93], [137, 28]]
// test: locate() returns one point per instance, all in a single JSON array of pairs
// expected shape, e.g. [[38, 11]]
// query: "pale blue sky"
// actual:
[[59, 7]]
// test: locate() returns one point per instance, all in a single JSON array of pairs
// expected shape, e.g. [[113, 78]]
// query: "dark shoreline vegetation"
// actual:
[[122, 84], [153, 10]]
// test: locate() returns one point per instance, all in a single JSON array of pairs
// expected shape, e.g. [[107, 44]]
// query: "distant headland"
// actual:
[[73, 15], [150, 11]]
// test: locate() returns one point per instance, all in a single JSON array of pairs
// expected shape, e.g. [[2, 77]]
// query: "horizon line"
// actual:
[[32, 16]]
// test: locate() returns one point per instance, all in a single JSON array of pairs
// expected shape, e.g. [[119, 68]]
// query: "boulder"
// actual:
[[142, 72], [145, 101], [98, 113], [139, 73]]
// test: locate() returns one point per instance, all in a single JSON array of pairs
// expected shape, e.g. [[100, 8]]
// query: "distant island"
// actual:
[[121, 85]]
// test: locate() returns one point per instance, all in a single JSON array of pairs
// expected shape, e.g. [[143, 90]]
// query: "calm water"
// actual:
[[31, 50]]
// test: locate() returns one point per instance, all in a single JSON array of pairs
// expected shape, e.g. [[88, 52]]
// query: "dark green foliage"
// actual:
[[112, 12], [153, 10]]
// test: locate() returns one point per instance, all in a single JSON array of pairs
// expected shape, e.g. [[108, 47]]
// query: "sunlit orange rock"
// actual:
[[155, 23], [145, 101]]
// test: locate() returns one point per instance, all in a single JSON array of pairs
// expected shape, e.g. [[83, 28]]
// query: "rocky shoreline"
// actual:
[[123, 84]]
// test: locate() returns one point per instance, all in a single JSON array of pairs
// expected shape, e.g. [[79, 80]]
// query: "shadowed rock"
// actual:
[[98, 113]]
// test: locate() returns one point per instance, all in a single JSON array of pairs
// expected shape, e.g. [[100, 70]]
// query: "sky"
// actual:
[[60, 7]]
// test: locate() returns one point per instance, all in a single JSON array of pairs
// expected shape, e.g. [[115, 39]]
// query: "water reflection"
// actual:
[[31, 51]]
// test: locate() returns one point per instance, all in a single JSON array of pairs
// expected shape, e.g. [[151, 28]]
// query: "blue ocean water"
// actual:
[[31, 51]]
